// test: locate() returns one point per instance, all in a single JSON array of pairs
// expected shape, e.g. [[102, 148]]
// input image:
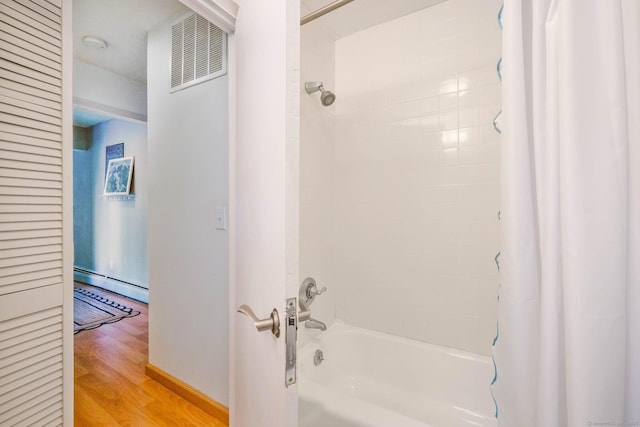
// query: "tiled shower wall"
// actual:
[[317, 138], [415, 176]]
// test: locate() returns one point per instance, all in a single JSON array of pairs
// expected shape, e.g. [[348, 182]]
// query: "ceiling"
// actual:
[[124, 24], [361, 14]]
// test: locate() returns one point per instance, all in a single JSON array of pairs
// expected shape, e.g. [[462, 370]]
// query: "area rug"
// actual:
[[91, 310]]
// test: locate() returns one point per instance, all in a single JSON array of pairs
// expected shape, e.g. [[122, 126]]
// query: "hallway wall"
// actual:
[[82, 209], [188, 257], [110, 236]]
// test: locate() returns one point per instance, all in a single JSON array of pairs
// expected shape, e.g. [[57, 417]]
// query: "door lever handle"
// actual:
[[271, 323]]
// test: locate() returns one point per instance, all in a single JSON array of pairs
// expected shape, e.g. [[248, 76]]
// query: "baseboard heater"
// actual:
[[113, 284]]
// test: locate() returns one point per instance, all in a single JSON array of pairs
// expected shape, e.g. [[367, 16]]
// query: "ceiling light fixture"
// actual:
[[94, 42]]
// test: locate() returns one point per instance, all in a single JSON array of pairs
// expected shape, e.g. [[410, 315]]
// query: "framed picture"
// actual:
[[115, 151], [119, 174]]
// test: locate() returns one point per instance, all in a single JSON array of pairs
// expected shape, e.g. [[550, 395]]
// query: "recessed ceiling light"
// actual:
[[93, 42]]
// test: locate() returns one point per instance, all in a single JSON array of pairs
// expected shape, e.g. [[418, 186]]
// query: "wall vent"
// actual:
[[198, 52]]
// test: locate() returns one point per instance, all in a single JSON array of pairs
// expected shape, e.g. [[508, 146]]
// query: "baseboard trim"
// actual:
[[190, 394], [128, 290]]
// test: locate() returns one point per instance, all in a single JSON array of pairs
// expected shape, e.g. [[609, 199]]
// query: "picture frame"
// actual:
[[119, 176], [115, 151]]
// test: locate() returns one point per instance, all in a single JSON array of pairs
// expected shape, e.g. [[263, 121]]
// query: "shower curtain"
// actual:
[[568, 347]]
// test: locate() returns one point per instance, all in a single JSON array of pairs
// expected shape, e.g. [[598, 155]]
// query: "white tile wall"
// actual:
[[317, 138], [408, 189]]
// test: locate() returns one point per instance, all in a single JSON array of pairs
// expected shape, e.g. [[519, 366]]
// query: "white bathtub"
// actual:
[[370, 379]]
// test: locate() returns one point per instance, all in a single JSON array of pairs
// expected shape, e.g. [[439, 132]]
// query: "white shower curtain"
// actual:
[[568, 348]]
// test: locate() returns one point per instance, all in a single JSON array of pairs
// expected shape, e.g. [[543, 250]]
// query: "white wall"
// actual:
[[416, 175], [316, 173], [188, 257], [108, 92], [83, 196], [111, 235], [120, 239]]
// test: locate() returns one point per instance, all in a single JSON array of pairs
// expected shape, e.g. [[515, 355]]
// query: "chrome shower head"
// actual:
[[326, 97]]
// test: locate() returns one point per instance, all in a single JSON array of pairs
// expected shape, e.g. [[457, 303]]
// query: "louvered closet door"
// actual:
[[32, 246]]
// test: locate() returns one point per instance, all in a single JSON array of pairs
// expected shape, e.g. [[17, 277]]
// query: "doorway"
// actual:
[[162, 243]]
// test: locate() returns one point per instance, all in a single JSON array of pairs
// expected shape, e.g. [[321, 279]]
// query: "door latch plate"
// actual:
[[291, 338]]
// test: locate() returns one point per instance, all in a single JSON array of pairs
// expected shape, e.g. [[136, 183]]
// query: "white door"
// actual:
[[264, 239], [36, 242]]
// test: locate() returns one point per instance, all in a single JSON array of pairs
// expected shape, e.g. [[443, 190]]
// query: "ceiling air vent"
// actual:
[[198, 52]]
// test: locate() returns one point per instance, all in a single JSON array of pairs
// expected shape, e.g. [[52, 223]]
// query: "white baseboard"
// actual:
[[131, 291]]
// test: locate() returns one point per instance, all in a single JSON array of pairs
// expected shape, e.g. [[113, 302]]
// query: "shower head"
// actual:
[[326, 97]]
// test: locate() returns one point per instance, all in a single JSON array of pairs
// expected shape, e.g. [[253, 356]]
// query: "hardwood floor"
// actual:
[[111, 388]]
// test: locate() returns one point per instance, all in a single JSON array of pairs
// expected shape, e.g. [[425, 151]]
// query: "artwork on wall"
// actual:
[[119, 174], [115, 151]]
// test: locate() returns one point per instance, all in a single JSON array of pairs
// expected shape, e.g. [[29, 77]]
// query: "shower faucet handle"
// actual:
[[318, 292], [309, 290], [313, 291]]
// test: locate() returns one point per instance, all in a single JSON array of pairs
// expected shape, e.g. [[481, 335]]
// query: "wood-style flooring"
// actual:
[[111, 388]]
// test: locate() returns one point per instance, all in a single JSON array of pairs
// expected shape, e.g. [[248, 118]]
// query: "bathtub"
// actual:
[[370, 379]]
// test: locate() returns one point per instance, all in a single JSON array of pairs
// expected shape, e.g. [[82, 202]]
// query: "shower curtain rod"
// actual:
[[323, 11]]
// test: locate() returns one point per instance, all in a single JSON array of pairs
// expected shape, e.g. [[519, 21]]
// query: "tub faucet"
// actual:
[[315, 324]]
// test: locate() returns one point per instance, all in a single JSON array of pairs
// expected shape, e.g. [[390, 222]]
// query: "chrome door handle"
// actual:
[[272, 323]]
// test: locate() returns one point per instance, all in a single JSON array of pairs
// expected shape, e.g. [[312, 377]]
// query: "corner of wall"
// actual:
[[111, 235], [81, 138]]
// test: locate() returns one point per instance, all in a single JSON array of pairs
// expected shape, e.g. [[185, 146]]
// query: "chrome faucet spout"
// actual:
[[315, 324]]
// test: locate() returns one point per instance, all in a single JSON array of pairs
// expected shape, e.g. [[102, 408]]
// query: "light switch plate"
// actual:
[[221, 218]]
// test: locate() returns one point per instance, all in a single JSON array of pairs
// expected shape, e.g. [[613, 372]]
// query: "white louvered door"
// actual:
[[36, 338]]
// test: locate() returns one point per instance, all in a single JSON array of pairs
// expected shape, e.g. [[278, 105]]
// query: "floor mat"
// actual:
[[91, 310]]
